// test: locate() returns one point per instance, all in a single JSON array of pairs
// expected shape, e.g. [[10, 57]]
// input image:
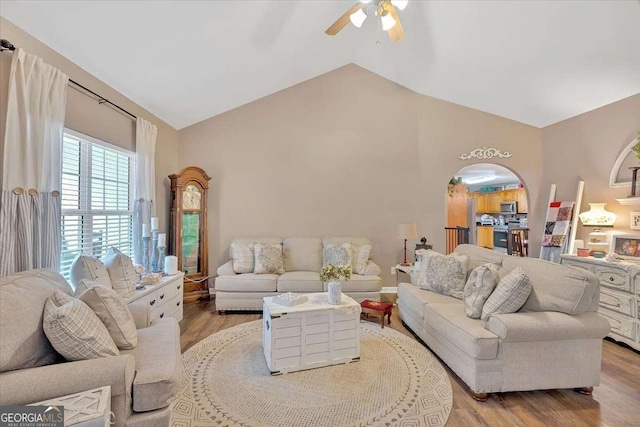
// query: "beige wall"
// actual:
[[586, 147], [346, 153], [85, 115]]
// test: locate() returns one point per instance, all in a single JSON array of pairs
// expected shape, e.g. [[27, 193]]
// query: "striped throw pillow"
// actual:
[[242, 256], [509, 296]]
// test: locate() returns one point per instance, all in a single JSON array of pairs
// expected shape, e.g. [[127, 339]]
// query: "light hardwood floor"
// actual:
[[615, 403]]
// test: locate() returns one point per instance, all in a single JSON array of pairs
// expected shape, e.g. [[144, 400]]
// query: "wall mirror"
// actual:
[[188, 229]]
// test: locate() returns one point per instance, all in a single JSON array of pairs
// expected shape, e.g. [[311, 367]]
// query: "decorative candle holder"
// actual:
[[145, 253], [154, 252], [161, 252]]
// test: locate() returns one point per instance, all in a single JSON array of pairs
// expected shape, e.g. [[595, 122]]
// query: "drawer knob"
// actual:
[[611, 278], [178, 304], [161, 296], [152, 302], [161, 315], [178, 287]]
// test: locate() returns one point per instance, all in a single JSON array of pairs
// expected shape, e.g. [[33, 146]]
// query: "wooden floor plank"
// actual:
[[616, 402]]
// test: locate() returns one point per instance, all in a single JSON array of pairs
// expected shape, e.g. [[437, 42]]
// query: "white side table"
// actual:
[[91, 408], [407, 269]]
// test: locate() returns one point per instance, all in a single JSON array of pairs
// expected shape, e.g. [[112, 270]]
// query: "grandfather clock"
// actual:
[[188, 229]]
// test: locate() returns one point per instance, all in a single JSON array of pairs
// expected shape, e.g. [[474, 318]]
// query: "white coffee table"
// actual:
[[310, 335]]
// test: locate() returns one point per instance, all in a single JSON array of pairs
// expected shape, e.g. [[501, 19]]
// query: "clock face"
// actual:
[[191, 198]]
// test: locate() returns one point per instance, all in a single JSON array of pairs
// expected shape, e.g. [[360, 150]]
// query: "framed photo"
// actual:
[[627, 246], [634, 220]]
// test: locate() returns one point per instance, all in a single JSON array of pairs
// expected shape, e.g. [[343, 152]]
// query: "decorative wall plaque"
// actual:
[[485, 153]]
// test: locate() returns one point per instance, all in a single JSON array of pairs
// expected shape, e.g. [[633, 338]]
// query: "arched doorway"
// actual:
[[490, 201]]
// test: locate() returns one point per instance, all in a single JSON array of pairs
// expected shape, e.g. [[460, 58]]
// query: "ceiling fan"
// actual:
[[385, 9]]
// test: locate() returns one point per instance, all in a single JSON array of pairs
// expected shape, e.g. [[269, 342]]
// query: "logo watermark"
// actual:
[[31, 416]]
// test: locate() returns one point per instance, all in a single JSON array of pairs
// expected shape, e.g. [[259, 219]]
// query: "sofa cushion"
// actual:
[[482, 281], [247, 282], [88, 267], [121, 272], [556, 287], [268, 259], [443, 274], [114, 313], [469, 335], [242, 257], [74, 330], [479, 256], [22, 338], [359, 283], [361, 254], [416, 298], [158, 365], [300, 281], [302, 254], [509, 296]]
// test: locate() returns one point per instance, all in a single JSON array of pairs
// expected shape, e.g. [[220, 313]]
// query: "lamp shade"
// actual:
[[387, 21], [407, 230], [358, 17], [597, 216], [400, 4]]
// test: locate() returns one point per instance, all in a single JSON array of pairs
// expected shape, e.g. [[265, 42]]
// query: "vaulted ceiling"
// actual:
[[537, 62]]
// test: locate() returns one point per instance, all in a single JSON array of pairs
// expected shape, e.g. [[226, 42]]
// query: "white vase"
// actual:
[[335, 292]]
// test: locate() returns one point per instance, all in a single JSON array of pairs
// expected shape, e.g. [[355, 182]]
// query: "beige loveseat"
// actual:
[[143, 381], [554, 342], [302, 258]]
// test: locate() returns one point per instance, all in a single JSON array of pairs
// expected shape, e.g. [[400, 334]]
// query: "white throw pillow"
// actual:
[[445, 275], [509, 296], [114, 314], [122, 273], [268, 259], [360, 258], [74, 330], [338, 255], [243, 258], [88, 267], [481, 282]]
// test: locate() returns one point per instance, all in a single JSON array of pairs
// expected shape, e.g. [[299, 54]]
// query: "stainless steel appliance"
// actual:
[[500, 238], [508, 208]]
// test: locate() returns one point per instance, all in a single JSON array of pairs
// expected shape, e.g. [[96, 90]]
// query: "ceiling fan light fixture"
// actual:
[[387, 21], [400, 4], [358, 17]]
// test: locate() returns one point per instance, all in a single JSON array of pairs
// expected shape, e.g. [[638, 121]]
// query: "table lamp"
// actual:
[[597, 218], [407, 230]]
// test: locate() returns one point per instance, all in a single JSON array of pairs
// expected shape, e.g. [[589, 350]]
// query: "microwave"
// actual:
[[508, 208]]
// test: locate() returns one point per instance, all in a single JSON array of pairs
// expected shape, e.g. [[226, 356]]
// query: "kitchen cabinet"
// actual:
[[485, 236], [521, 198], [481, 203], [494, 201], [490, 202]]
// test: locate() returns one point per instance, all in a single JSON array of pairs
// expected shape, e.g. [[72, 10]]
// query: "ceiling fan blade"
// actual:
[[396, 32], [343, 20]]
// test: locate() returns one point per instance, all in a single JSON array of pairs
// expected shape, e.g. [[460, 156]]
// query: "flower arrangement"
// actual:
[[330, 272]]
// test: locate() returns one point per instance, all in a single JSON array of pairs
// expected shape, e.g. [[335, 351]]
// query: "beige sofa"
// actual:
[[554, 342], [302, 263], [143, 381]]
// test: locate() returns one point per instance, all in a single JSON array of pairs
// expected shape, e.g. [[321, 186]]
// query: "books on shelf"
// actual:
[[289, 299]]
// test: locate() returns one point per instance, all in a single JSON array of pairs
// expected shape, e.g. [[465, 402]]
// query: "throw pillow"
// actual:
[[445, 275], [83, 285], [338, 255], [360, 258], [482, 281], [268, 259], [509, 296], [242, 257], [114, 314], [121, 271], [74, 330], [88, 267]]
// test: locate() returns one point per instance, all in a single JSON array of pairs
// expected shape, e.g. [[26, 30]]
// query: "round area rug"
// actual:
[[226, 382]]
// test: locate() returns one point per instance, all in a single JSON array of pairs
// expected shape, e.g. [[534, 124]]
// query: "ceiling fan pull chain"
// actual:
[[379, 41]]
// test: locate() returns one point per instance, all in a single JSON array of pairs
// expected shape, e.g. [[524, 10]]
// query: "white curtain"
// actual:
[[144, 183], [30, 233]]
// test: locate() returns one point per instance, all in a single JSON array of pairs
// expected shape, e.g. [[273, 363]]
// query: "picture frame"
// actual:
[[627, 246], [634, 220]]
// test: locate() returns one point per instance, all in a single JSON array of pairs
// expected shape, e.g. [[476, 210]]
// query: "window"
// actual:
[[97, 198]]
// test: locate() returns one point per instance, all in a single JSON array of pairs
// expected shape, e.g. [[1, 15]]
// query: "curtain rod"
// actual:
[[6, 45]]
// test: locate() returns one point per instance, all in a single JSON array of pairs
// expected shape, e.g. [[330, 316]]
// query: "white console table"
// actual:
[[619, 295], [163, 299]]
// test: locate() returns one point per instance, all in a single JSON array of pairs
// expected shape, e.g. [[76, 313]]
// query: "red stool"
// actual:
[[377, 309]]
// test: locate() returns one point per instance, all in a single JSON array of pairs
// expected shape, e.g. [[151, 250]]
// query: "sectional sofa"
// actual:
[[303, 259], [553, 342]]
